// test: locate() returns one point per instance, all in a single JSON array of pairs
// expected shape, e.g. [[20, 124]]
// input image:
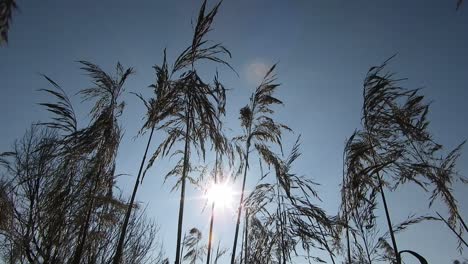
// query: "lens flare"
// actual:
[[221, 195]]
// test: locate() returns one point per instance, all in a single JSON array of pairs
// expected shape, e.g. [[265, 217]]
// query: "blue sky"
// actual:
[[324, 49]]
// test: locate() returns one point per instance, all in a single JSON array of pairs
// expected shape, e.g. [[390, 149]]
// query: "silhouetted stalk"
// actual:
[[453, 230], [345, 184], [325, 243], [210, 236], [360, 227], [239, 210], [84, 231], [284, 221], [348, 245], [280, 217], [182, 189], [246, 238], [242, 260], [462, 221], [283, 245], [389, 221], [83, 235], [365, 243], [118, 253], [387, 213], [363, 237], [182, 247], [93, 256], [366, 247], [261, 129]]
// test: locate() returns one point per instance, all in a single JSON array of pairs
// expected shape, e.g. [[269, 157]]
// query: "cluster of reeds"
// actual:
[[58, 197], [394, 147], [58, 193]]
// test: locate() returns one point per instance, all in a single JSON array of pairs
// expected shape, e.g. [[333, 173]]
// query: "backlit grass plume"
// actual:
[[395, 147], [259, 129]]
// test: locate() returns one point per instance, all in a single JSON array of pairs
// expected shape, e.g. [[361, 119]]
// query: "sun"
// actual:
[[221, 194]]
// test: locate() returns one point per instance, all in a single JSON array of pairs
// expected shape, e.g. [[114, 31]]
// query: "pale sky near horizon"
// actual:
[[323, 50]]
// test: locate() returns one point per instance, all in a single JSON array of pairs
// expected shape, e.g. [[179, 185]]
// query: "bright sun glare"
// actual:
[[221, 194]]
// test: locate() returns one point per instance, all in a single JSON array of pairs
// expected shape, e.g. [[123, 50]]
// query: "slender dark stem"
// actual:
[[453, 230], [246, 238], [182, 189], [182, 247], [239, 209], [345, 200], [208, 257], [285, 257], [84, 231], [348, 245], [325, 243], [365, 243], [217, 252], [118, 253], [280, 219], [367, 250], [462, 221], [387, 213], [242, 261], [389, 221], [210, 237], [358, 222]]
